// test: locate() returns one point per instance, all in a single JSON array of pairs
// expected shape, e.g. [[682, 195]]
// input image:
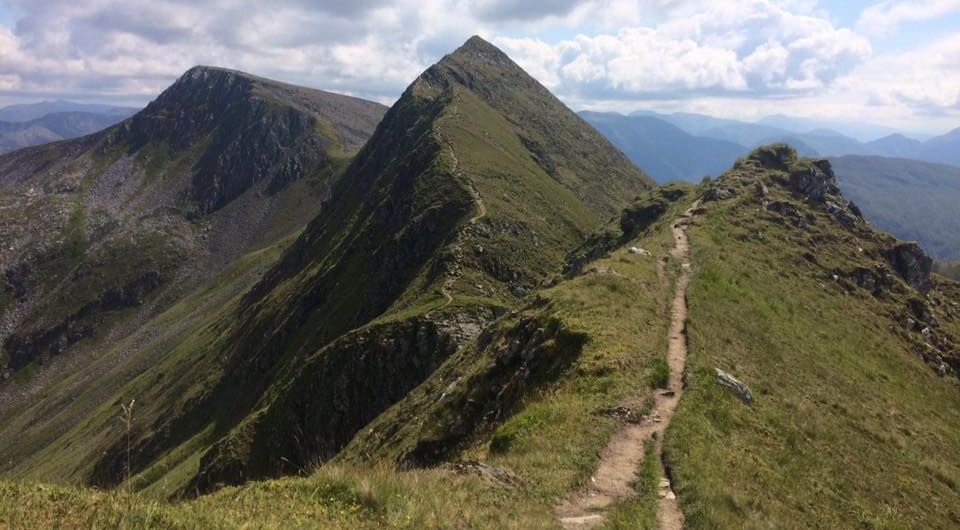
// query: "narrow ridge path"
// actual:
[[481, 213], [626, 449]]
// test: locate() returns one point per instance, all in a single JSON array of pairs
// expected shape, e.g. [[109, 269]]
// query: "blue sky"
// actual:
[[896, 62]]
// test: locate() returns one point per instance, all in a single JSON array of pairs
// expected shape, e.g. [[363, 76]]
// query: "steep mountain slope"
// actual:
[[470, 192], [663, 150], [74, 212], [848, 344], [500, 179], [911, 199], [105, 236]]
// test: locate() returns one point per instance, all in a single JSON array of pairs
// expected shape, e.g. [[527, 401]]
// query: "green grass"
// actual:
[[334, 498], [639, 513], [550, 439], [659, 374], [847, 421]]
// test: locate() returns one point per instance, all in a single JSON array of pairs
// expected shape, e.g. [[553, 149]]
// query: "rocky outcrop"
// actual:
[[875, 280], [245, 136], [912, 264], [325, 405], [814, 179], [634, 219], [789, 213], [25, 348], [719, 193], [515, 363], [778, 156]]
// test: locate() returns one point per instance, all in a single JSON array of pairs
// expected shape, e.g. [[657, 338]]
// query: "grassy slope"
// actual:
[[849, 428], [166, 344], [550, 439]]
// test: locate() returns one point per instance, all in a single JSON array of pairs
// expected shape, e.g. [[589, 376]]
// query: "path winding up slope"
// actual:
[[624, 453], [481, 213]]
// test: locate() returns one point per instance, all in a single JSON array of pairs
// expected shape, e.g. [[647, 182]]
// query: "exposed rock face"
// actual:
[[325, 406], [645, 210], [912, 264], [875, 280], [105, 222], [46, 343], [718, 193], [249, 129], [527, 354], [814, 180], [638, 217], [790, 213]]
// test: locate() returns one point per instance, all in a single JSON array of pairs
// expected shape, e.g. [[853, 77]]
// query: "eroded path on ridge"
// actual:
[[458, 250], [621, 459]]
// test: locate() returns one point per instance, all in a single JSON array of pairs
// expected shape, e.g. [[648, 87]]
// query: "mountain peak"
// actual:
[[477, 44]]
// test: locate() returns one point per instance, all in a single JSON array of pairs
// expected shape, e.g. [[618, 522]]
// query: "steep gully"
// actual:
[[481, 213], [625, 451]]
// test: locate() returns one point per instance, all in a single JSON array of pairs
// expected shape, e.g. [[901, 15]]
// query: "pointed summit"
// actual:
[[231, 114], [474, 187]]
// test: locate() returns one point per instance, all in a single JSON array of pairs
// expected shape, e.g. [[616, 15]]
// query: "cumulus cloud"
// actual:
[[526, 10], [926, 80], [739, 49], [885, 16], [591, 52]]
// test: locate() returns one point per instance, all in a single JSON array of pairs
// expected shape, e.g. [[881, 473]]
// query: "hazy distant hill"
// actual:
[[664, 150], [860, 131], [910, 199], [945, 148], [739, 132], [33, 111], [53, 127]]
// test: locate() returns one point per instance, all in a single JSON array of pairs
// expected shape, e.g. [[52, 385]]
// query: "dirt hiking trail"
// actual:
[[621, 459]]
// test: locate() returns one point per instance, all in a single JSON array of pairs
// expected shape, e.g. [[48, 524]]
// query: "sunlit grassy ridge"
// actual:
[[849, 428]]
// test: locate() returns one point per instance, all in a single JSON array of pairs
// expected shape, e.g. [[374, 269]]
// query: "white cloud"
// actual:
[[885, 16], [731, 56], [740, 48], [926, 80]]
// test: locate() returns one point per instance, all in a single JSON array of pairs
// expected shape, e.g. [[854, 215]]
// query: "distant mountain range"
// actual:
[[906, 186], [663, 149], [50, 121], [33, 111], [666, 156], [911, 199]]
